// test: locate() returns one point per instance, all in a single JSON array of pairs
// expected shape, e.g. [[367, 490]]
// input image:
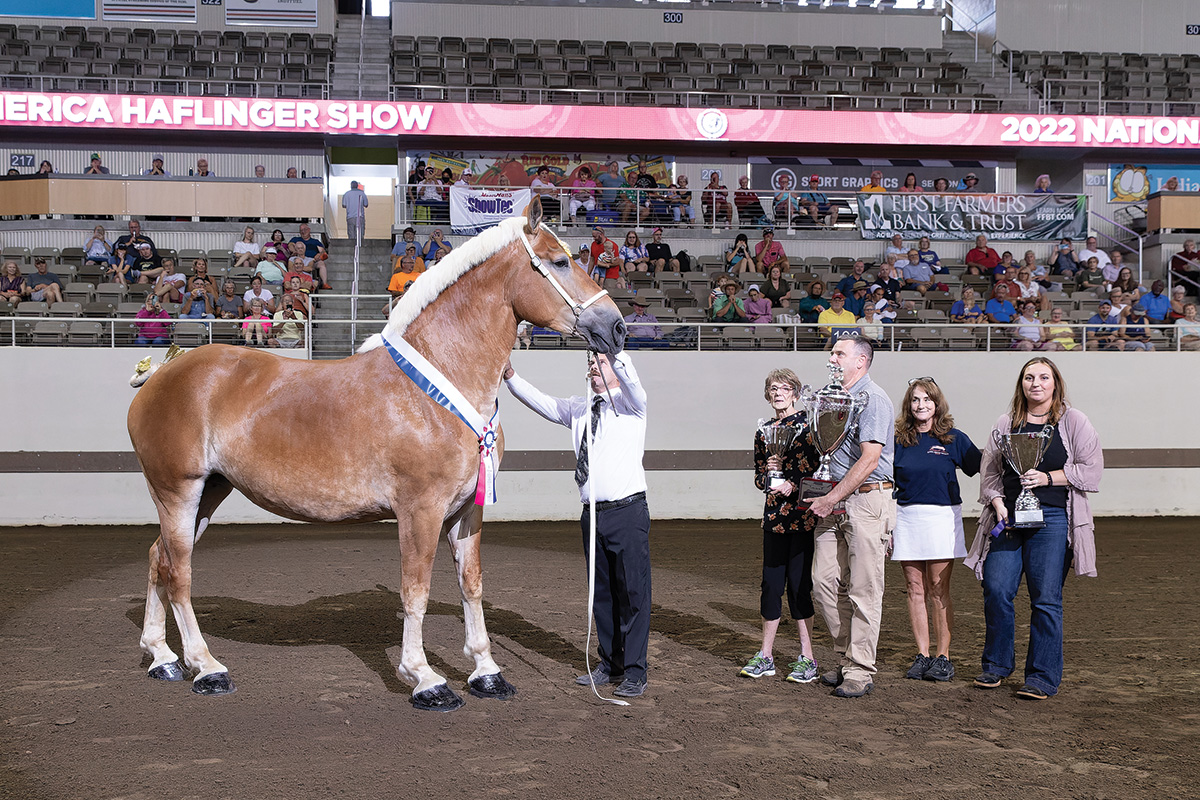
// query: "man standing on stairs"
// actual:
[[355, 202]]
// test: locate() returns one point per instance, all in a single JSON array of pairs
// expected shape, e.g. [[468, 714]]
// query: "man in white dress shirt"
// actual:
[[1093, 250], [616, 407]]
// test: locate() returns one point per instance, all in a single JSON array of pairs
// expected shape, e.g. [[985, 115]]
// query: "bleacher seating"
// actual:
[[1071, 82]]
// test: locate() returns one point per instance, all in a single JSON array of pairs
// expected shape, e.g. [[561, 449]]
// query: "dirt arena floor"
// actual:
[[306, 619]]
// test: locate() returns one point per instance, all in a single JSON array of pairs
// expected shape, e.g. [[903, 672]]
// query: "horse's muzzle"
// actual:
[[603, 329]]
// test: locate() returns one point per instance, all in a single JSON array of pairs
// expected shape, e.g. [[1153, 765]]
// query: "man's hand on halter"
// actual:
[[508, 370]]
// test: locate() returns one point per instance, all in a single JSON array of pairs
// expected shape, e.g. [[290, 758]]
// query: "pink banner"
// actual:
[[109, 111]]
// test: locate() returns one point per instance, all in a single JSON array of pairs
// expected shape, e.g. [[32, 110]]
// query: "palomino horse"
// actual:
[[357, 440]]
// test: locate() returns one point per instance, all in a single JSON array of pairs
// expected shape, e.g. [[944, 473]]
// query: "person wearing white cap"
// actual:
[[156, 167]]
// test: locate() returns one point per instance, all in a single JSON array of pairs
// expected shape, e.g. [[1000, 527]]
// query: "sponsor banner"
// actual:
[[75, 9], [149, 10], [851, 174], [473, 210], [1130, 183], [115, 111], [276, 13], [1020, 217], [519, 168]]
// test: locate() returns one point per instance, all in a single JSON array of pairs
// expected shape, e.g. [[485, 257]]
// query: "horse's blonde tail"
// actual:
[[145, 368]]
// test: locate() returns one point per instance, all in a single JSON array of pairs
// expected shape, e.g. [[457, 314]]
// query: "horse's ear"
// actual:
[[533, 215]]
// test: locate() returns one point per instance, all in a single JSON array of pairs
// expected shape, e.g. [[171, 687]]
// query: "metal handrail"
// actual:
[[1140, 239], [362, 28]]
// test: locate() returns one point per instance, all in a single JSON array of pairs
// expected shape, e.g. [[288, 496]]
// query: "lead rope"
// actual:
[[587, 652]]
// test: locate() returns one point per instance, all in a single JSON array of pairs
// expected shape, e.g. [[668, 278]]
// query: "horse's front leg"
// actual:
[[464, 537], [418, 545]]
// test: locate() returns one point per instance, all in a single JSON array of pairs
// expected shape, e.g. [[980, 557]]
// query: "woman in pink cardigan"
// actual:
[[1071, 468]]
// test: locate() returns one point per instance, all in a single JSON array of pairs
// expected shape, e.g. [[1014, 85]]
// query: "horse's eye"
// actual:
[[562, 262]]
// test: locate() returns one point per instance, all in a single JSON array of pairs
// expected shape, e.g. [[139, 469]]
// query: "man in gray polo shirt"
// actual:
[[851, 546]]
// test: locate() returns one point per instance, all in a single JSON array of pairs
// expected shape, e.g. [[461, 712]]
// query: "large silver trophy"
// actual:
[[778, 440], [832, 416], [1023, 452]]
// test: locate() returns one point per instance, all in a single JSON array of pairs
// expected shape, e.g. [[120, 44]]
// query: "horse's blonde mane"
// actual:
[[437, 278]]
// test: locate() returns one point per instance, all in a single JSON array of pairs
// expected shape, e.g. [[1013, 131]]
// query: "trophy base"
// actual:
[[813, 489], [777, 482], [1027, 518]]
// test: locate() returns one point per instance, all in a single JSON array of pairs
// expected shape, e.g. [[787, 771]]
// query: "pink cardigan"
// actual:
[[1084, 467]]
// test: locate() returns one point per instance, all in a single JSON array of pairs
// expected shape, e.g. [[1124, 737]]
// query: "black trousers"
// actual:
[[622, 596], [787, 562]]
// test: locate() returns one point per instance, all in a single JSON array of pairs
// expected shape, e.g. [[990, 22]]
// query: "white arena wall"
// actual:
[[75, 400]]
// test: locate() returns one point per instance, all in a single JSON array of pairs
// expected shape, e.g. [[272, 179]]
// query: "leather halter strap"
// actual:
[[577, 308]]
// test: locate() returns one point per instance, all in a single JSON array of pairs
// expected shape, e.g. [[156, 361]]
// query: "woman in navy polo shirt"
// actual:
[[929, 529]]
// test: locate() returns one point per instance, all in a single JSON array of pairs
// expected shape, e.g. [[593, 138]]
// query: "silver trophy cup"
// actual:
[[778, 440], [832, 416], [1023, 452]]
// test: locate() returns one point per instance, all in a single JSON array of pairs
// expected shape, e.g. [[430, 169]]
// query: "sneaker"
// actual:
[[989, 680], [833, 677], [940, 669], [631, 687], [853, 688], [803, 670], [919, 667], [758, 667], [1032, 693], [326, 286], [601, 676]]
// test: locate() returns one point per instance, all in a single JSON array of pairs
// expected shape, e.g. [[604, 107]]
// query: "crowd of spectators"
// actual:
[[156, 168]]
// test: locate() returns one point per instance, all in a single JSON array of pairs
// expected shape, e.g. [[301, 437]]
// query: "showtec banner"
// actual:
[[1021, 217], [473, 210]]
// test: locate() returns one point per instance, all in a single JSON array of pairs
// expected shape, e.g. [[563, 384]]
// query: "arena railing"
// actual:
[[186, 87]]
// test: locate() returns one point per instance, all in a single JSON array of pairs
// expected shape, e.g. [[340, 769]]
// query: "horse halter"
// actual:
[[577, 308]]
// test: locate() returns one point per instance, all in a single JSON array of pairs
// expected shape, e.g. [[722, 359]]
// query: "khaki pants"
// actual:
[[848, 577]]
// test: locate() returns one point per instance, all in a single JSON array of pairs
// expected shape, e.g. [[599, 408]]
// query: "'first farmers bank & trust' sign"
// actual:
[[115, 111]]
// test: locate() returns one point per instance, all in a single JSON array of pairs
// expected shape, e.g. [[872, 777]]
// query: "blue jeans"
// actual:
[[1041, 554]]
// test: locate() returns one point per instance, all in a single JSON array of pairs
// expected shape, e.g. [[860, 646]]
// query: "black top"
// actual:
[[657, 250], [1054, 459], [781, 514]]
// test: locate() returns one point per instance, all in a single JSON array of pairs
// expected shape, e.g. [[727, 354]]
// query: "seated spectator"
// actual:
[[156, 167], [1038, 271], [651, 206], [1187, 328], [1112, 271], [809, 308], [135, 238], [858, 273], [197, 302], [817, 203], [545, 188], [606, 256], [647, 329], [584, 257], [857, 299], [1027, 328], [725, 306], [1062, 259], [1186, 264], [769, 253], [1091, 250], [256, 327], [916, 275], [1120, 302], [1005, 270], [1090, 278], [430, 195], [1103, 331], [896, 249], [156, 332], [1059, 335], [999, 310], [660, 253], [97, 249], [288, 329], [259, 293], [410, 251], [611, 199], [405, 275], [260, 171], [95, 167], [910, 184], [929, 256], [966, 311], [583, 193], [146, 263], [407, 237], [291, 173], [885, 309], [875, 184], [279, 243], [969, 183], [170, 284], [981, 259], [202, 170], [738, 258], [315, 250], [758, 307], [200, 270], [941, 185], [12, 284], [1178, 301], [785, 204], [464, 179], [122, 270], [1126, 283], [298, 269], [1135, 329], [246, 251], [749, 209], [869, 324], [679, 199], [836, 321], [42, 286], [886, 279], [298, 294], [227, 304], [270, 270], [776, 289], [714, 201], [634, 255], [1042, 185], [1028, 289], [435, 248]]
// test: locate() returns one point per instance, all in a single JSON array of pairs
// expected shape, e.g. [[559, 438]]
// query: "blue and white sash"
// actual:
[[432, 382]]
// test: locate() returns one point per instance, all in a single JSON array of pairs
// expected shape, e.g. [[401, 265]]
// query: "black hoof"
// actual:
[[214, 684], [493, 686], [439, 698], [168, 672]]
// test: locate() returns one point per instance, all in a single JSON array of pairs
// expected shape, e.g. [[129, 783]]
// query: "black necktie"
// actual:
[[581, 463]]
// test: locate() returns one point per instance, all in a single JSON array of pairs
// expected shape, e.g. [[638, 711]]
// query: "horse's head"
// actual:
[[556, 293]]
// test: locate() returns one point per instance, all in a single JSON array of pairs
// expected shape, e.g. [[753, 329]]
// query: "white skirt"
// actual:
[[928, 533]]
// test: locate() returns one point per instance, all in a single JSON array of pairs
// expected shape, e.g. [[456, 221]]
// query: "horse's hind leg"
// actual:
[[165, 665], [486, 680]]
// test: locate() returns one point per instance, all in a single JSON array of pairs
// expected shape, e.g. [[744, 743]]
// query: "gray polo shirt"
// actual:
[[876, 423]]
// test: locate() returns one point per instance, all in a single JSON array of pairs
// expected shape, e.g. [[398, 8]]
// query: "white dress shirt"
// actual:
[[615, 458]]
